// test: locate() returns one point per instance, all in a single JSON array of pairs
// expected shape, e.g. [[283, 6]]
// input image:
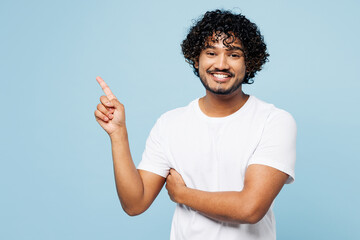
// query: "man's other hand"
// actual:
[[175, 185]]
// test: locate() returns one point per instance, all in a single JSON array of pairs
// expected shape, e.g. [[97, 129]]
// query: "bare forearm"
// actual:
[[261, 186], [136, 189], [129, 184], [233, 207]]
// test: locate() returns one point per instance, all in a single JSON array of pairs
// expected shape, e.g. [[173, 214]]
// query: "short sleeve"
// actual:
[[277, 147], [154, 158]]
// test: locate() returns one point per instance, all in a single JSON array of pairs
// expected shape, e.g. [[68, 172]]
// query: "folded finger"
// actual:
[[100, 116], [106, 111], [106, 101]]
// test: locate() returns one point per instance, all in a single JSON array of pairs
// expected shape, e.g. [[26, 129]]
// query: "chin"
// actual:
[[220, 91]]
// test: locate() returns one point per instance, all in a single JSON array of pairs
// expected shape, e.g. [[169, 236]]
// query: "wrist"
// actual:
[[119, 135], [183, 195]]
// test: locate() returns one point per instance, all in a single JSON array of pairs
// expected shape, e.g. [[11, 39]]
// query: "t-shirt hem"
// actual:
[[280, 167], [149, 168]]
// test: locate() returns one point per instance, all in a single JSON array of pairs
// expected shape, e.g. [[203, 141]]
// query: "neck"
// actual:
[[214, 105]]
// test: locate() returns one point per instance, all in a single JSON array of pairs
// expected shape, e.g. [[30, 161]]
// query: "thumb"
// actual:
[[117, 104]]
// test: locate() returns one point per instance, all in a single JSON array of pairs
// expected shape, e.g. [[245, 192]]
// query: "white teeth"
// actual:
[[220, 76]]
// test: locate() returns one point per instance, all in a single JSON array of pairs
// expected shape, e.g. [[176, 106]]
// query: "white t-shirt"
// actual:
[[212, 154]]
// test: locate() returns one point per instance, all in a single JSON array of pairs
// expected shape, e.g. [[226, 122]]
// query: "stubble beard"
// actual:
[[218, 90]]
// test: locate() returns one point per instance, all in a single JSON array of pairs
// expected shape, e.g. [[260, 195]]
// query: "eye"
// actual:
[[234, 55], [210, 53]]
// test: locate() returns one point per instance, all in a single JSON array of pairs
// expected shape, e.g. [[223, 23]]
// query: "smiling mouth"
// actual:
[[220, 76]]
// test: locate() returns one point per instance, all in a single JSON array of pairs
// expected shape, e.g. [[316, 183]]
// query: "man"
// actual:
[[225, 156]]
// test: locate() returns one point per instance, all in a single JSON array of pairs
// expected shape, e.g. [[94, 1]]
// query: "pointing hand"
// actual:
[[110, 113]]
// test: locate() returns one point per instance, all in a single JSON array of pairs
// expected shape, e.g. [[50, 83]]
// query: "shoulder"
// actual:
[[275, 115], [278, 123], [178, 114], [281, 119]]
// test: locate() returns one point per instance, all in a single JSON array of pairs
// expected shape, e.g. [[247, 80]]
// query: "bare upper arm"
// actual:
[[262, 184], [152, 185]]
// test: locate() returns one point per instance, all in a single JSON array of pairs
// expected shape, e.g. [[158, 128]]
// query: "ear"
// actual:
[[196, 64]]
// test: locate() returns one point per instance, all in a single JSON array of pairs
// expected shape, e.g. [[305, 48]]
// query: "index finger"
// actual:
[[105, 88]]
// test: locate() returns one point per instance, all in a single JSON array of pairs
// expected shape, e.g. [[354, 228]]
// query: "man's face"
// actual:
[[222, 68]]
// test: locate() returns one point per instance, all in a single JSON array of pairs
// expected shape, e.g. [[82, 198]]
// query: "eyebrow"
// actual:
[[235, 48], [230, 48]]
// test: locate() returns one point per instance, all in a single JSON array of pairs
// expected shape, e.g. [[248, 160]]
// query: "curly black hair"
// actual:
[[225, 23]]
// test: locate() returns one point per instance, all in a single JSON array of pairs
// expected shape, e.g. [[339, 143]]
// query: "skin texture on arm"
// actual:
[[261, 186], [136, 189]]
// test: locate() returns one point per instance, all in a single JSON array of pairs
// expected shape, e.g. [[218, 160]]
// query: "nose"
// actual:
[[221, 62]]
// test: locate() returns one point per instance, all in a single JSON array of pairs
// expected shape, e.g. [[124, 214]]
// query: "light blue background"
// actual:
[[56, 177]]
